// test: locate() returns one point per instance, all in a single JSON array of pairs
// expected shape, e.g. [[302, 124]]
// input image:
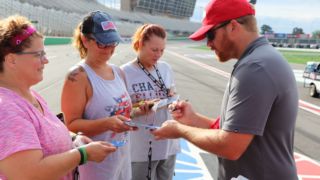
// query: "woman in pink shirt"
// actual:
[[34, 144]]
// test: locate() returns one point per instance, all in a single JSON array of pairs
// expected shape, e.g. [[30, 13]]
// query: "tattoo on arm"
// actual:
[[72, 75]]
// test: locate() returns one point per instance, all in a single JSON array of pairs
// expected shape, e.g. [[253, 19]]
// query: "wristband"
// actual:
[[83, 155]]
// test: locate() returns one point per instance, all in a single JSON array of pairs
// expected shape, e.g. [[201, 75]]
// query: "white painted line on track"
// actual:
[[186, 163], [309, 107], [298, 160], [197, 179], [302, 104], [309, 177], [203, 56], [205, 66], [188, 171]]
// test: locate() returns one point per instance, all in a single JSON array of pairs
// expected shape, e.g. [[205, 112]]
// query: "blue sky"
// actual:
[[281, 15]]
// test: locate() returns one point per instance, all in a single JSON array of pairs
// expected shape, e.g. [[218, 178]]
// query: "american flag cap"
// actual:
[[104, 29]]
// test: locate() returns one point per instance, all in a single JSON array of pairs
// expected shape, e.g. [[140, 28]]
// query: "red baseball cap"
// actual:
[[218, 11]]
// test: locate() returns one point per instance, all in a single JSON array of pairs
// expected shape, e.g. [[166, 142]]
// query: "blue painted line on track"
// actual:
[[186, 176], [184, 145], [187, 166], [187, 158]]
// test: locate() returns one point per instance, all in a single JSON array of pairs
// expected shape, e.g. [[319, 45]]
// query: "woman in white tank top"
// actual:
[[95, 100]]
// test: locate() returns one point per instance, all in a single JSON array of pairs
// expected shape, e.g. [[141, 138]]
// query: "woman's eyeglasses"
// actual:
[[39, 54]]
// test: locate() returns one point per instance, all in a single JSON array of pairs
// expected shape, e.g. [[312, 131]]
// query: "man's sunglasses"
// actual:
[[211, 33]]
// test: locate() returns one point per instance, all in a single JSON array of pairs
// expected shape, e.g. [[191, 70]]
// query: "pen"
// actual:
[[174, 109]]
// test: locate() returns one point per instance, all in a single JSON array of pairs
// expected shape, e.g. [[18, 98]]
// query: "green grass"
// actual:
[[297, 57], [300, 57], [201, 47]]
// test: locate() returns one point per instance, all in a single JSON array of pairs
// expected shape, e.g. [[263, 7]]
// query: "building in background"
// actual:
[[182, 9]]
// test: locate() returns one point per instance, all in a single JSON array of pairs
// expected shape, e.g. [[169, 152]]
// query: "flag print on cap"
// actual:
[[108, 25]]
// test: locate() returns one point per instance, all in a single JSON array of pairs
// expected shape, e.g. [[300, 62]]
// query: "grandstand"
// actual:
[[60, 17]]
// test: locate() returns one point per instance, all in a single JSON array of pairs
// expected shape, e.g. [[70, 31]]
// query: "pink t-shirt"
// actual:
[[23, 127]]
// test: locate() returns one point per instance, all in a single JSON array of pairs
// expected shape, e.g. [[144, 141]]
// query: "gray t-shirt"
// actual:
[[261, 98]]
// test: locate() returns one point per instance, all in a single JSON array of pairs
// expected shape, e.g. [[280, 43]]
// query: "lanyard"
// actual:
[[162, 86], [159, 83], [149, 161], [150, 150]]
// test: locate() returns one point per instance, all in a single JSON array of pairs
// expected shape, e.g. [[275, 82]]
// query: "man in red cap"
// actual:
[[259, 108]]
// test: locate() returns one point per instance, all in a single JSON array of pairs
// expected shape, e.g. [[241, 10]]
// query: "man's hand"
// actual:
[[182, 111], [169, 130]]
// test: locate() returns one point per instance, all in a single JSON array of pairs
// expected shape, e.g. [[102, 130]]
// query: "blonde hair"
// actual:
[[77, 42], [11, 27], [83, 30], [144, 33]]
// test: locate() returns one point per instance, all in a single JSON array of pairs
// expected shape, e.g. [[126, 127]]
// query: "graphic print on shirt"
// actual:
[[122, 106], [146, 91]]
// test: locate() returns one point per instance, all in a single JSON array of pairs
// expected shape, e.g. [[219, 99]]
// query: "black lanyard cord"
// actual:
[[150, 149], [159, 83], [149, 161]]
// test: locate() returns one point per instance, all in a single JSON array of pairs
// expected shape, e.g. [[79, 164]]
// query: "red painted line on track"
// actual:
[[307, 168], [309, 106]]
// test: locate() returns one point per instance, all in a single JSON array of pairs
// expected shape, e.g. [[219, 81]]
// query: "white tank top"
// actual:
[[109, 98]]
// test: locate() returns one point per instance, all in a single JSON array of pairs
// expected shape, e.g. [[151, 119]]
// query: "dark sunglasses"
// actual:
[[103, 46], [211, 33]]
